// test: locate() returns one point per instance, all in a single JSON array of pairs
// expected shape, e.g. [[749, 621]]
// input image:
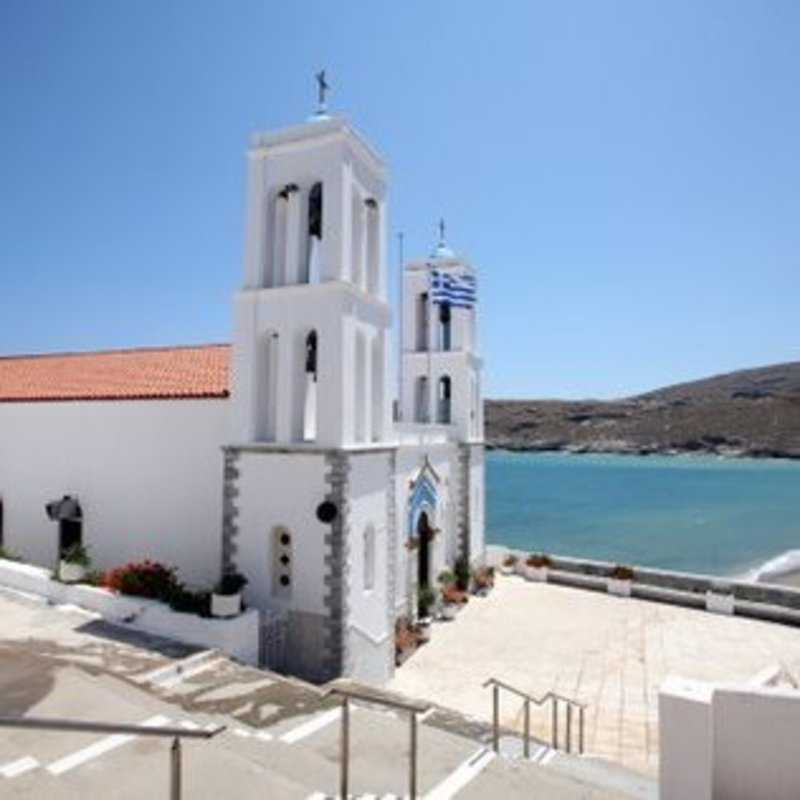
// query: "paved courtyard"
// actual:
[[612, 653], [281, 737]]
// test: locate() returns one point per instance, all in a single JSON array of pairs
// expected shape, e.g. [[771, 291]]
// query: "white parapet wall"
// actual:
[[725, 742], [236, 636]]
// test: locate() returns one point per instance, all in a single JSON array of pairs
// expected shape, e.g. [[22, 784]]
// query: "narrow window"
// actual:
[[443, 414], [281, 562], [310, 405], [422, 321], [421, 401], [361, 388], [267, 374], [445, 325], [315, 233], [369, 558]]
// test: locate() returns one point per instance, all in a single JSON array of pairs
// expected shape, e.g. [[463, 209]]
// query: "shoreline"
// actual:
[[732, 454]]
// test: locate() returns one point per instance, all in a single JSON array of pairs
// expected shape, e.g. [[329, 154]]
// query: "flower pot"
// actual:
[[621, 588], [719, 603], [70, 572], [449, 611], [226, 605], [508, 569], [538, 574]]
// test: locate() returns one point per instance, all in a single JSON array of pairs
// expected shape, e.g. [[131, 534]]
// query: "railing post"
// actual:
[[527, 750], [555, 723], [175, 769], [496, 718], [580, 730], [344, 766], [412, 767], [569, 727]]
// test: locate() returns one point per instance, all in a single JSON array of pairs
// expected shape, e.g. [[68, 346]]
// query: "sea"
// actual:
[[731, 517]]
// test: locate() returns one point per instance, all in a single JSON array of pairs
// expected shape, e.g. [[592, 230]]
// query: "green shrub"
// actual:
[[463, 573]]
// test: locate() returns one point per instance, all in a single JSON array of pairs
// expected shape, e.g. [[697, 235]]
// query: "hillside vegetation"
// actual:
[[752, 412]]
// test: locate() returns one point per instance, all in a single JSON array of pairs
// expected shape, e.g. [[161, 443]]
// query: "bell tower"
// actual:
[[310, 361], [441, 369]]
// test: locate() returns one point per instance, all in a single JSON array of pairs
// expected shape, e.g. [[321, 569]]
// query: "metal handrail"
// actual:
[[554, 698], [176, 734], [412, 707]]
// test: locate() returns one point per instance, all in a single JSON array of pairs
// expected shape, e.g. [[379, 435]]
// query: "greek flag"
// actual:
[[454, 290]]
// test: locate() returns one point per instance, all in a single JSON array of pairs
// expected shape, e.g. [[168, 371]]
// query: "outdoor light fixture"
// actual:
[[67, 508]]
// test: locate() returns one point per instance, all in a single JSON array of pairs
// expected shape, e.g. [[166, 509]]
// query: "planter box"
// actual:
[[621, 588], [71, 573], [719, 603], [226, 605], [538, 574]]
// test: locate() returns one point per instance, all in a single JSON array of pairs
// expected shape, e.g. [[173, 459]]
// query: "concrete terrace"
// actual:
[[610, 652]]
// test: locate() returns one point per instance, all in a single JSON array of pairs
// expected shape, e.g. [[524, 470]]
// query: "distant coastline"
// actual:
[[748, 414]]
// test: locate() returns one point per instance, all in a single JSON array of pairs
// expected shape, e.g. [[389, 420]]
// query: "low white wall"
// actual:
[[756, 746], [237, 636], [684, 719], [721, 742]]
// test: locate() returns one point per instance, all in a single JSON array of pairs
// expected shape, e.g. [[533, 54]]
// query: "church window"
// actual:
[[369, 558], [378, 381], [361, 388], [267, 385], [281, 562], [314, 250], [372, 234], [310, 389], [422, 321], [421, 400], [445, 327], [443, 413], [315, 211]]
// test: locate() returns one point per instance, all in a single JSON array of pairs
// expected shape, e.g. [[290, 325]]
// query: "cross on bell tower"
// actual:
[[323, 87]]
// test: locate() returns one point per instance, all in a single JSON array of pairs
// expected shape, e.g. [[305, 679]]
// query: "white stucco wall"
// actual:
[[147, 473], [282, 490], [368, 506], [724, 742]]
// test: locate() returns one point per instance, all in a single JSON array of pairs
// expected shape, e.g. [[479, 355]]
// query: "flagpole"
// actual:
[[401, 330]]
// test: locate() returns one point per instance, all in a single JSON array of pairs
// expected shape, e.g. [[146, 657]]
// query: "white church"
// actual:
[[279, 456]]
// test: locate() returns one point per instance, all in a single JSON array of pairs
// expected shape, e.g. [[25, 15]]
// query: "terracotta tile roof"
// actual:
[[143, 374]]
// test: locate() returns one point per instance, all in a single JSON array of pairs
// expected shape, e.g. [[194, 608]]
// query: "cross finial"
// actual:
[[322, 87], [441, 231]]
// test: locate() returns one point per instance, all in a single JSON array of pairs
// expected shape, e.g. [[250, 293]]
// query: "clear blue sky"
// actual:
[[625, 175]]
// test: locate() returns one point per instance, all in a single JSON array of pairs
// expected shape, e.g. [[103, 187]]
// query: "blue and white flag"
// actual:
[[450, 289]]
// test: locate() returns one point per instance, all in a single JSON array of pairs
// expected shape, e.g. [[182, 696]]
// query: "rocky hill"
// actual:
[[753, 412]]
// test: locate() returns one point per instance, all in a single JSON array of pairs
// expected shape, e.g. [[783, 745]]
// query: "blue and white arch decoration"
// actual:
[[424, 497]]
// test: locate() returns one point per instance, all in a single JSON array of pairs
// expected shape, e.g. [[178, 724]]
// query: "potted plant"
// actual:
[[482, 580], [426, 602], [451, 600], [537, 566], [74, 563], [620, 579], [406, 640], [226, 599], [463, 573], [509, 565]]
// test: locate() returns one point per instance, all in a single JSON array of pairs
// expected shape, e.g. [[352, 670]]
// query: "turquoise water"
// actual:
[[699, 514]]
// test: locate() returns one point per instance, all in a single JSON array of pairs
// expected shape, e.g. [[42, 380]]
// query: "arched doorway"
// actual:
[[424, 554]]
